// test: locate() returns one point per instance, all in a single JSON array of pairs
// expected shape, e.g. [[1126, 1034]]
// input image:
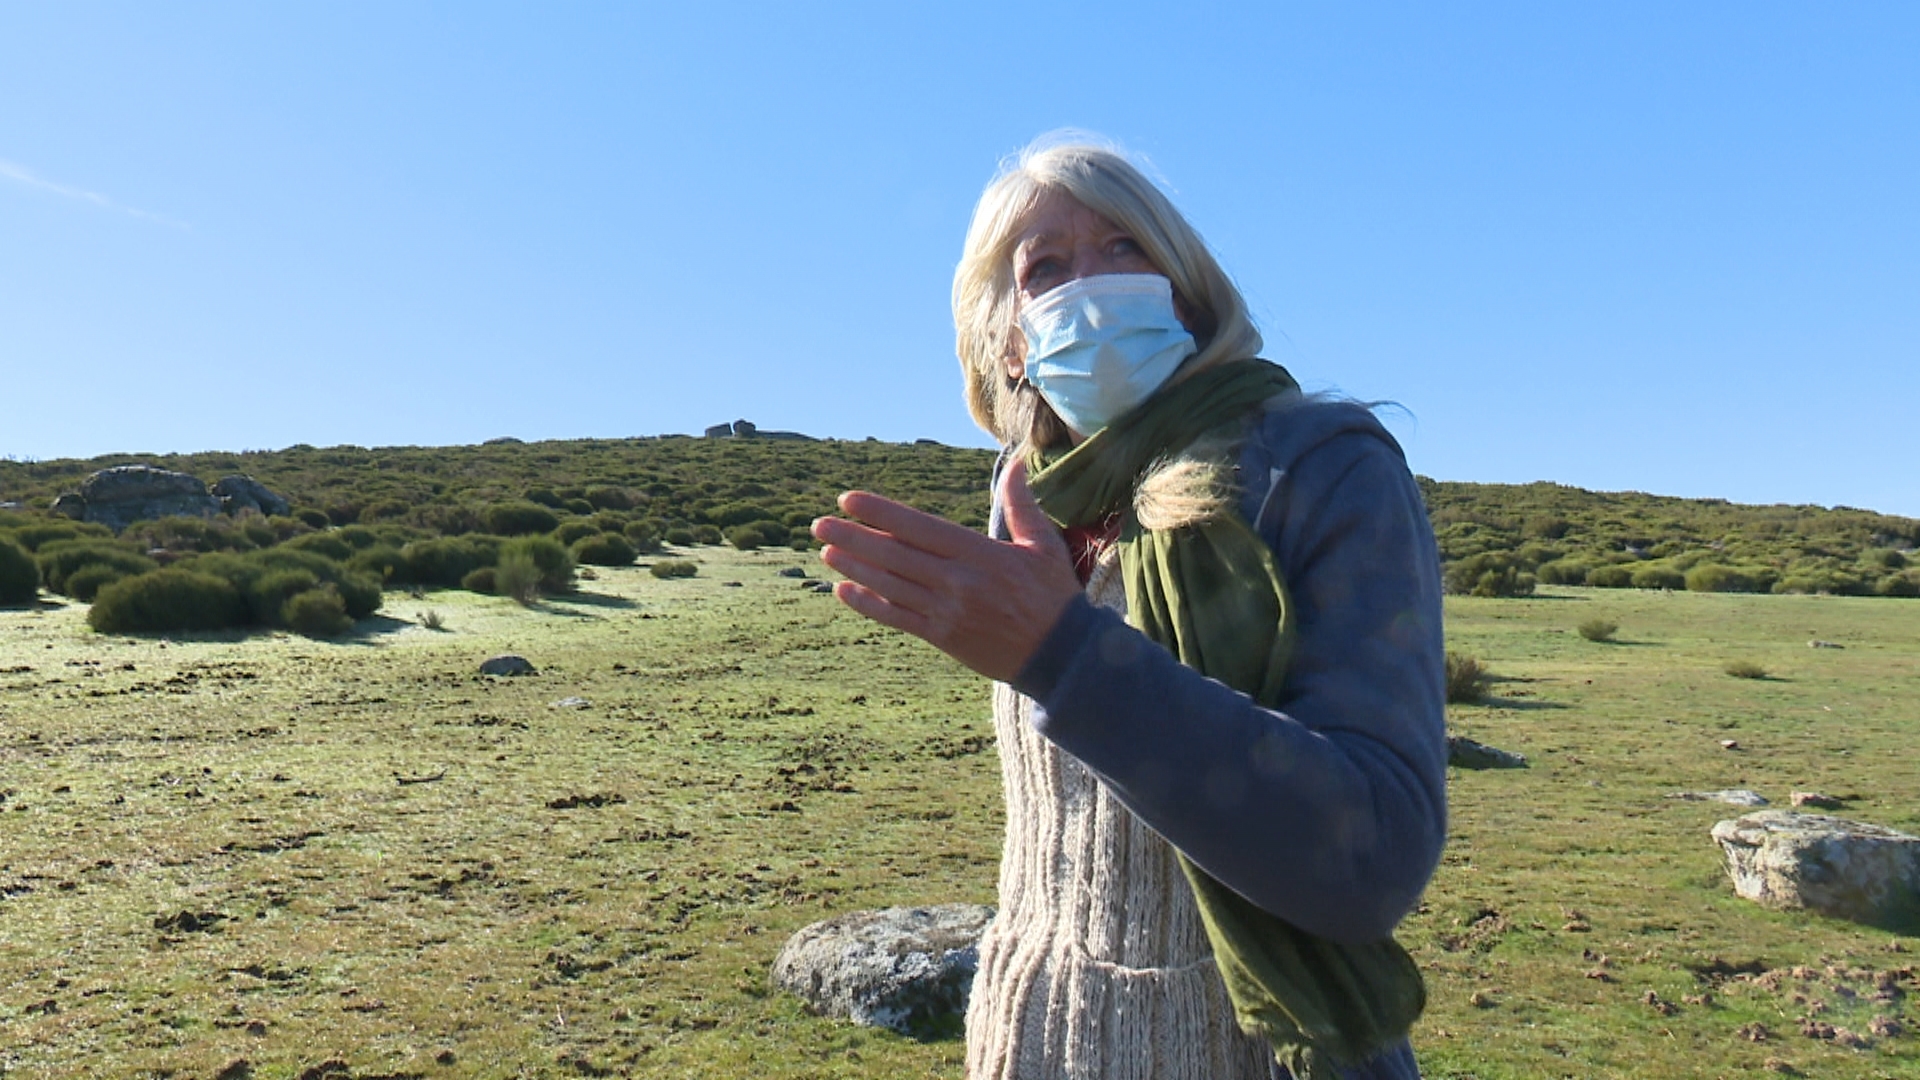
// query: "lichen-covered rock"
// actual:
[[1846, 869], [122, 495], [906, 969], [1730, 796], [1464, 753], [506, 664], [240, 492]]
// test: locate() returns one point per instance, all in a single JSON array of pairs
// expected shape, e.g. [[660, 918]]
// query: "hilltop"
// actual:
[[1495, 539]]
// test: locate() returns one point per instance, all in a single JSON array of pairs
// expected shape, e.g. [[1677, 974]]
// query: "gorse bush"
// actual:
[[321, 543], [85, 583], [1598, 629], [552, 561], [520, 519], [1467, 680], [517, 576], [1657, 577], [166, 601], [34, 536], [1612, 576], [61, 558], [446, 561], [484, 580], [1746, 669], [674, 568], [604, 549], [758, 534], [1495, 574], [316, 613], [1716, 577], [19, 575], [571, 531]]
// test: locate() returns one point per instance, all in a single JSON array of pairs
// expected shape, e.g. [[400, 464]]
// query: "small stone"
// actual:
[[1816, 801], [790, 572], [1730, 796], [1729, 744], [570, 703]]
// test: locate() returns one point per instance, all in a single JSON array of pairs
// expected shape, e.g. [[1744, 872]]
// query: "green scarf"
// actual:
[[1212, 595]]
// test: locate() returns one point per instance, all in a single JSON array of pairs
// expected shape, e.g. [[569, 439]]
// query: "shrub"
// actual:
[[1905, 583], [680, 536], [33, 537], [317, 613], [611, 498], [757, 534], [1611, 576], [604, 549], [644, 535], [1598, 629], [1746, 669], [1567, 571], [167, 600], [61, 558], [1820, 580], [707, 534], [1490, 573], [553, 561], [19, 575], [1657, 577], [385, 510], [1883, 559], [360, 592], [321, 543], [383, 563], [517, 576], [447, 560], [674, 568], [433, 620], [314, 519], [483, 580], [85, 583], [543, 496], [1713, 577], [520, 519], [1467, 681], [267, 595], [359, 537]]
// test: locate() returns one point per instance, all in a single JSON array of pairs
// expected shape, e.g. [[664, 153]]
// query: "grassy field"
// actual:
[[272, 857]]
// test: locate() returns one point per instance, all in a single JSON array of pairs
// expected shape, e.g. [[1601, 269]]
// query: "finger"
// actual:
[[865, 601], [884, 550], [1026, 522], [895, 589], [922, 530]]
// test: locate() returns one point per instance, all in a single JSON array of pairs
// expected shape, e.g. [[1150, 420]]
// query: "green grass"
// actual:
[[754, 758]]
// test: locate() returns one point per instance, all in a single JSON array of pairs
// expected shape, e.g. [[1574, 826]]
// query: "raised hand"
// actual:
[[987, 603]]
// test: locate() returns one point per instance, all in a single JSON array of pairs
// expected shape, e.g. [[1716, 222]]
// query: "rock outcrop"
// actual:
[[1846, 869], [905, 969], [1464, 753], [122, 495]]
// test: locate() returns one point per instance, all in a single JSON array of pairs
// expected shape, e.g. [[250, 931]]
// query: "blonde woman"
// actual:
[[1211, 609]]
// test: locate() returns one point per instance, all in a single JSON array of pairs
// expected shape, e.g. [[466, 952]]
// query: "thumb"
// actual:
[[1026, 522]]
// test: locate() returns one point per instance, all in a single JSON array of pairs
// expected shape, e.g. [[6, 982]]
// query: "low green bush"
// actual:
[[61, 558], [680, 536], [570, 531], [162, 601], [517, 576], [1467, 680], [85, 583], [321, 543], [604, 549], [643, 534], [758, 534], [1905, 583], [34, 536], [484, 580], [1746, 669], [520, 519], [1490, 573], [384, 563], [446, 561], [707, 534], [1715, 577], [550, 558], [316, 613], [19, 575], [1567, 571], [313, 519], [1657, 577], [674, 568], [1598, 629], [1611, 576], [267, 595]]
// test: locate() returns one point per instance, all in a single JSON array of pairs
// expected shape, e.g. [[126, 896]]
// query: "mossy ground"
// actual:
[[290, 852]]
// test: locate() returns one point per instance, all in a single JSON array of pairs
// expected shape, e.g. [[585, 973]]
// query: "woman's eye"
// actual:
[[1127, 247], [1038, 273]]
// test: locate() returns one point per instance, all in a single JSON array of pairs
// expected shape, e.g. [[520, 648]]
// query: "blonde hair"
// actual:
[[985, 296]]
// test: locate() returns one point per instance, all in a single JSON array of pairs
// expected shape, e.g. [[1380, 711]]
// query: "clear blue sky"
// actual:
[[1653, 246]]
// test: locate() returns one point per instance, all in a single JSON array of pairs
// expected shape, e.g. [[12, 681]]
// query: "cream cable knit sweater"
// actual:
[[1097, 965]]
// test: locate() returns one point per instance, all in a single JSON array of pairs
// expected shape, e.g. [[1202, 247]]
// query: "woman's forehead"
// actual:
[[1057, 215]]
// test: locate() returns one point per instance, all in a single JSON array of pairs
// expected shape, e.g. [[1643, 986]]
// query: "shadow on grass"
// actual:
[[588, 599]]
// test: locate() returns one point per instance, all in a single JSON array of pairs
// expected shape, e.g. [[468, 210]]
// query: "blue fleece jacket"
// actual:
[[1330, 810]]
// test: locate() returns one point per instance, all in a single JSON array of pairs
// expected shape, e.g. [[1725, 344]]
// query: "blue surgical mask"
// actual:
[[1099, 346]]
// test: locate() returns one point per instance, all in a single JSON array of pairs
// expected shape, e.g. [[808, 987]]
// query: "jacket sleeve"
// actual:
[[1329, 811]]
